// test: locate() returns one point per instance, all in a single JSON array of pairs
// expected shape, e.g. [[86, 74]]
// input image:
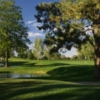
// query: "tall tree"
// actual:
[[13, 32], [37, 49], [87, 12], [46, 51], [72, 21]]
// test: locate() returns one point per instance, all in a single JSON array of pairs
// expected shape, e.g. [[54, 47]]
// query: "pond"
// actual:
[[13, 75], [1, 64]]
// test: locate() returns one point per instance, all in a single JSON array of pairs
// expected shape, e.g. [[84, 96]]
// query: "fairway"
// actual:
[[66, 70], [62, 80]]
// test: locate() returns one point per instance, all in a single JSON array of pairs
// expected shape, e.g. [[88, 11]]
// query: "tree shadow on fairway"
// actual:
[[21, 63], [16, 63], [44, 65], [4, 72], [34, 64], [73, 73], [40, 90]]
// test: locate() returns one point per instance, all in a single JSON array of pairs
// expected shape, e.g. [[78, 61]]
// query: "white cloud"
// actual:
[[35, 24], [71, 52], [32, 34], [30, 22], [30, 46]]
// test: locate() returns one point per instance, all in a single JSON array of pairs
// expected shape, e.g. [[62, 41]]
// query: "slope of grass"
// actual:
[[61, 81], [37, 89], [57, 69]]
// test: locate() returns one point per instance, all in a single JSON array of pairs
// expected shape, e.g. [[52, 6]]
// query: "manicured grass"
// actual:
[[61, 81], [55, 69], [36, 89]]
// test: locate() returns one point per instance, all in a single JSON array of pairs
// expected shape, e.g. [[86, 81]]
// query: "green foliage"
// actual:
[[87, 51], [13, 32], [1, 53], [30, 54], [48, 55], [63, 57], [81, 56], [68, 20], [37, 49], [74, 57], [46, 51], [59, 31], [12, 29]]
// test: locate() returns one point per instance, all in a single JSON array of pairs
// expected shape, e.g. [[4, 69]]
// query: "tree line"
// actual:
[[41, 51]]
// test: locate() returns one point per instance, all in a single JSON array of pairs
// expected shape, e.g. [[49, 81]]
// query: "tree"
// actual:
[[86, 51], [63, 57], [38, 48], [87, 12], [22, 54], [74, 57], [30, 54], [74, 22], [46, 14], [46, 52], [13, 32], [81, 56]]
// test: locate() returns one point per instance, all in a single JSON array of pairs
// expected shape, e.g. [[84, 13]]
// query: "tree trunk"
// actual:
[[6, 59], [96, 50], [97, 61]]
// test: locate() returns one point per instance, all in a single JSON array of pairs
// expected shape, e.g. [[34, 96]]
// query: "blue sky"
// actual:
[[28, 12]]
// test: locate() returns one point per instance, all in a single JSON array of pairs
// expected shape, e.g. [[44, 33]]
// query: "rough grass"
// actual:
[[62, 81]]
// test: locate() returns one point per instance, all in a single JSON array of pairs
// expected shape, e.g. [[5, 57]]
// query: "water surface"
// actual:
[[13, 75]]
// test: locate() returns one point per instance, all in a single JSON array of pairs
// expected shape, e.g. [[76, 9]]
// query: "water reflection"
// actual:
[[13, 75]]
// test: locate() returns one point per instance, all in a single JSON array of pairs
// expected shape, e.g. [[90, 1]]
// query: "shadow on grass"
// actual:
[[40, 90], [34, 64], [62, 71], [47, 91], [73, 73], [4, 72], [18, 63]]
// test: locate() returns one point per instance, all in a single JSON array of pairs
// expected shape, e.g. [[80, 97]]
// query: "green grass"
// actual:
[[61, 81], [36, 89], [55, 69]]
